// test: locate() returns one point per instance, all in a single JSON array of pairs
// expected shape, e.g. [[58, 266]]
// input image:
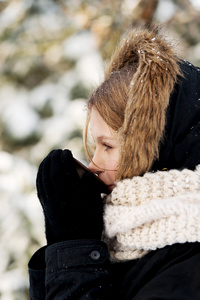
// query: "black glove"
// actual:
[[73, 208]]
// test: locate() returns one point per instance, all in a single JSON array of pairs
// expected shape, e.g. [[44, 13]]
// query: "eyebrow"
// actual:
[[104, 137]]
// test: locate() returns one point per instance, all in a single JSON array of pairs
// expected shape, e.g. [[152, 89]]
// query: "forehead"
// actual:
[[98, 125]]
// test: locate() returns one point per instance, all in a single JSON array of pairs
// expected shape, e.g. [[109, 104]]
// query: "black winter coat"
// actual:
[[81, 270]]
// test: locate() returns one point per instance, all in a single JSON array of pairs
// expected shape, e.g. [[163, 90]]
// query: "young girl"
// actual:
[[141, 240]]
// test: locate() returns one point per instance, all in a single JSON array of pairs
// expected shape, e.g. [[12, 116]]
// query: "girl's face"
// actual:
[[106, 154]]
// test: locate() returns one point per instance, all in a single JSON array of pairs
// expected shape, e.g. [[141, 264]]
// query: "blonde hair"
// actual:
[[134, 97]]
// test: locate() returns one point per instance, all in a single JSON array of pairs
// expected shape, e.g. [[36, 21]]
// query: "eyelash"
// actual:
[[107, 146]]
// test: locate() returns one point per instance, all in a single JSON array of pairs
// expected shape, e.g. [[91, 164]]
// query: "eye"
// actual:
[[107, 146]]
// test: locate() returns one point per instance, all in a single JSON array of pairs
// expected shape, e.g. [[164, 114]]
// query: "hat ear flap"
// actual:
[[148, 98]]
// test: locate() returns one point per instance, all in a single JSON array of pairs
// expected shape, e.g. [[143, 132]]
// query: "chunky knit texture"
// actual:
[[149, 212]]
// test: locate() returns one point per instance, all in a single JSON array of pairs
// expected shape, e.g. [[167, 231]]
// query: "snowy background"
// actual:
[[52, 54]]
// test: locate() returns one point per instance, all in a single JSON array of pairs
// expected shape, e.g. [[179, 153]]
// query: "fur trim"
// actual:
[[148, 97]]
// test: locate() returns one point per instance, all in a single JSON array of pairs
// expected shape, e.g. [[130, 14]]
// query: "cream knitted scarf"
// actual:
[[149, 212]]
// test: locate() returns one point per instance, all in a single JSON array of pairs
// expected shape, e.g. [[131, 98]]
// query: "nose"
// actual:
[[96, 164], [94, 168]]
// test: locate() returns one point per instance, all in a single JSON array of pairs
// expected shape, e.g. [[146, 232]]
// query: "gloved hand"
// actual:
[[73, 208]]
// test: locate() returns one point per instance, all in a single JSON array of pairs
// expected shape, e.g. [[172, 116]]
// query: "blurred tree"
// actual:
[[36, 69]]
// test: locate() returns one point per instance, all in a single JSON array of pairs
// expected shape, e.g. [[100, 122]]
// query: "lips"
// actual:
[[111, 187]]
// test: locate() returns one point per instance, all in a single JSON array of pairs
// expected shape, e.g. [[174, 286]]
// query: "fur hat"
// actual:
[[180, 146], [148, 97]]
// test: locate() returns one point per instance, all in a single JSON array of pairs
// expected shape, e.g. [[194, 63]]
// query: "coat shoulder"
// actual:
[[168, 273]]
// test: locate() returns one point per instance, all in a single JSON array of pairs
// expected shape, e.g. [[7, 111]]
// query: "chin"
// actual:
[[111, 187]]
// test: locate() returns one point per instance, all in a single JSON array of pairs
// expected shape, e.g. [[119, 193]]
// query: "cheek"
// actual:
[[112, 166], [111, 175]]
